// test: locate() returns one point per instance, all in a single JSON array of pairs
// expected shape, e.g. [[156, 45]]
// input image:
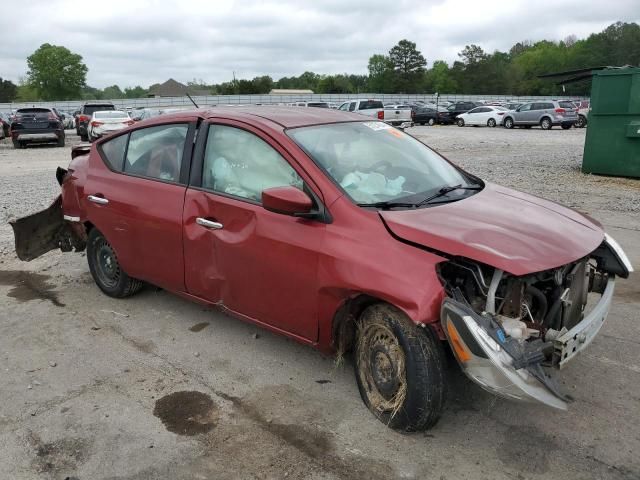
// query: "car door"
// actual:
[[474, 116], [520, 116], [257, 263], [135, 193]]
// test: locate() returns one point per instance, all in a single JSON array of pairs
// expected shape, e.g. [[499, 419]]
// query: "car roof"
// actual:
[[286, 117]]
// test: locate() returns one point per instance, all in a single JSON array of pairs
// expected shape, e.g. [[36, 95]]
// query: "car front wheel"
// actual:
[[105, 269], [545, 124], [460, 122], [582, 121], [508, 122], [432, 122], [399, 369]]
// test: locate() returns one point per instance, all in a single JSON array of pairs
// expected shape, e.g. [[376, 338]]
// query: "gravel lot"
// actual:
[[91, 386]]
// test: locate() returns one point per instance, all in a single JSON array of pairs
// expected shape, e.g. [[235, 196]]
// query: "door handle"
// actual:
[[98, 200], [208, 223]]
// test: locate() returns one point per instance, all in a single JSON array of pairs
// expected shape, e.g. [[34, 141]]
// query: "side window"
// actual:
[[352, 106], [476, 110], [344, 107], [525, 108], [239, 163], [112, 152], [156, 152]]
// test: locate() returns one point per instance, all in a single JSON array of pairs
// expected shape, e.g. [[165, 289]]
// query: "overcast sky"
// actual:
[[141, 42]]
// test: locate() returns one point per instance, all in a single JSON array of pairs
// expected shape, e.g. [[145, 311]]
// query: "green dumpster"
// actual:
[[612, 146]]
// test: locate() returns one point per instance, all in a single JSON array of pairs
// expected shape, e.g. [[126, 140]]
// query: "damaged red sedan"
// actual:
[[345, 234]]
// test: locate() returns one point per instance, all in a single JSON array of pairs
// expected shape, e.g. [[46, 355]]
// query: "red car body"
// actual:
[[310, 277]]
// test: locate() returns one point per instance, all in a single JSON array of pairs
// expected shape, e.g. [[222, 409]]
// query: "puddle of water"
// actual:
[[187, 413], [29, 286], [198, 327]]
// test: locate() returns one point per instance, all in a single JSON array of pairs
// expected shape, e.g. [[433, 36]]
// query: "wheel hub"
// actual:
[[108, 268], [384, 371]]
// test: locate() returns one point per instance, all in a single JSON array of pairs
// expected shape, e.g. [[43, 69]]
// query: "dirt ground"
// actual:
[[156, 387]]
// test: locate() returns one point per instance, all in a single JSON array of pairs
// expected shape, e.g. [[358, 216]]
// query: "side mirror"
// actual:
[[287, 201]]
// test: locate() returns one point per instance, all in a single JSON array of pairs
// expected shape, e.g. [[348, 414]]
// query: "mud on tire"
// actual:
[[399, 369], [105, 269]]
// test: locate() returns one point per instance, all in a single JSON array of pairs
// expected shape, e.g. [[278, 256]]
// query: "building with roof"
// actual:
[[173, 88]]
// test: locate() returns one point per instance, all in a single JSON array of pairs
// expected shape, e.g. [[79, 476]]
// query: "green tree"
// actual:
[[56, 73], [26, 93], [381, 74], [335, 84], [439, 78], [8, 90], [112, 92], [409, 65], [135, 92]]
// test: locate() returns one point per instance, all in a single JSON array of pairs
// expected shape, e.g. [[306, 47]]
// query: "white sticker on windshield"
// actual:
[[377, 125]]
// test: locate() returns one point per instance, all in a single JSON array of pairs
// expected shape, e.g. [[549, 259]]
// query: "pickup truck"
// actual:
[[397, 115]]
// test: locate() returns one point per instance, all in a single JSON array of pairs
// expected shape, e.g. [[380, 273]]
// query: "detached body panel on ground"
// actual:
[[344, 234]]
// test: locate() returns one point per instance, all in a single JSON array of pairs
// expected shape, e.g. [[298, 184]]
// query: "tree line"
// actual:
[[56, 73]]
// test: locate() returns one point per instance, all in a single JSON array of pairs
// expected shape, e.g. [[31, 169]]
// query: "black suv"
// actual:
[[456, 109], [84, 116], [36, 125]]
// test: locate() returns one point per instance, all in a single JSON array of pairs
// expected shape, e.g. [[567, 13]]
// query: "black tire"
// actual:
[[17, 145], [545, 123], [508, 123], [527, 126], [566, 126], [400, 369], [106, 270], [491, 122], [432, 122], [582, 121], [460, 122], [84, 138], [60, 141]]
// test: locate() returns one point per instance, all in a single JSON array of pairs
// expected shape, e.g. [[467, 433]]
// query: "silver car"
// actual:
[[545, 113]]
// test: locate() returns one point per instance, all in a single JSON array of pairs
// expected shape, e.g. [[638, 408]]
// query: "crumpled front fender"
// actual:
[[46, 230]]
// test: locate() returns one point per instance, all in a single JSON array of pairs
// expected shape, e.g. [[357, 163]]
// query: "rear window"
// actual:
[[111, 114], [89, 109], [33, 110], [566, 105], [370, 104], [318, 104]]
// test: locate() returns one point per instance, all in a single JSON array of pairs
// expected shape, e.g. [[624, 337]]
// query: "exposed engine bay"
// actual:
[[538, 307], [506, 330]]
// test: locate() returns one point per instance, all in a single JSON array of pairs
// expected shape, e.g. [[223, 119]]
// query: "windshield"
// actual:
[[374, 162]]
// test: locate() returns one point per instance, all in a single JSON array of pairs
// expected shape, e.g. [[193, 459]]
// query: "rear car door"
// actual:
[[257, 263], [135, 194]]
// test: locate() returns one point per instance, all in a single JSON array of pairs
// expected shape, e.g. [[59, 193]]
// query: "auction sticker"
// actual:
[[377, 125]]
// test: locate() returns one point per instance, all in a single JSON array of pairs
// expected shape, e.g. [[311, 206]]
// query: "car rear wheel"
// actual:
[[17, 144], [61, 141], [491, 122], [460, 122], [432, 122], [582, 121], [545, 123], [508, 123], [105, 269], [84, 137], [399, 369]]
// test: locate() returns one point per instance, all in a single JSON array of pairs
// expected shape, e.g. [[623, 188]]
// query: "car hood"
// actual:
[[504, 228]]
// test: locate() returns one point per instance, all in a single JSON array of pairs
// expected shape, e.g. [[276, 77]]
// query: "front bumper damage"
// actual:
[[508, 368]]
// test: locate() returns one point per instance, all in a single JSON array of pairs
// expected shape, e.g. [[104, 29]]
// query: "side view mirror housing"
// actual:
[[288, 201]]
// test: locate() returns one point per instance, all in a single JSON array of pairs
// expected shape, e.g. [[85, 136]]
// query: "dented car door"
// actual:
[[256, 263]]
